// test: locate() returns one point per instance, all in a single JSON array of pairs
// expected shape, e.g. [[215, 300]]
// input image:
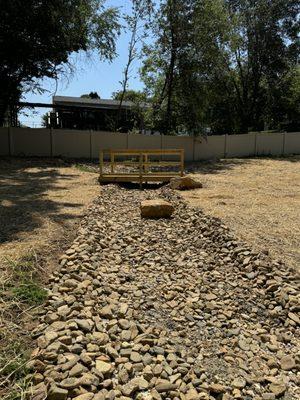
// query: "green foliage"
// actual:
[[30, 293], [37, 38], [226, 65], [91, 95], [137, 117], [23, 284], [135, 96]]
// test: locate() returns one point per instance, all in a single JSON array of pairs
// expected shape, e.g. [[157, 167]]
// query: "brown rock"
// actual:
[[185, 183], [103, 367], [217, 388], [278, 388], [287, 363], [85, 396], [165, 387], [56, 393], [239, 382], [157, 208]]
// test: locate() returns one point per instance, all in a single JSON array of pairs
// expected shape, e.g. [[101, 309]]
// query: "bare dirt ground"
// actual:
[[258, 198], [41, 203]]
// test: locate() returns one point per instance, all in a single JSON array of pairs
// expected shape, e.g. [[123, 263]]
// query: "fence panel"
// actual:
[[107, 140], [71, 143], [4, 142], [86, 144], [210, 147], [144, 142], [240, 145], [179, 142], [30, 142], [269, 144], [292, 143]]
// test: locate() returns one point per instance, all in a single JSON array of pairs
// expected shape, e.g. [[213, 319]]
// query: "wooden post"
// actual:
[[141, 167], [112, 162], [181, 162], [146, 161], [101, 163]]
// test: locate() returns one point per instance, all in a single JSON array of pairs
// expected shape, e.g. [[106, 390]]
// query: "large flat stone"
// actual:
[[157, 208]]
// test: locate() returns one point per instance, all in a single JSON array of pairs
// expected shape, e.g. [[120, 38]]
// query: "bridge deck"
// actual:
[[141, 164]]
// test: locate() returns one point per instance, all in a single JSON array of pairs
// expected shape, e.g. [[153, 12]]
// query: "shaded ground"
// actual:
[[38, 199], [41, 203], [258, 198]]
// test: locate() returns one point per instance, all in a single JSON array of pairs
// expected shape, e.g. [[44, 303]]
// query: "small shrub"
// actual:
[[30, 293]]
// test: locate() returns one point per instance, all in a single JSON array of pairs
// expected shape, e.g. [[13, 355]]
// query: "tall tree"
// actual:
[[135, 25], [177, 65], [261, 50], [37, 37], [220, 64]]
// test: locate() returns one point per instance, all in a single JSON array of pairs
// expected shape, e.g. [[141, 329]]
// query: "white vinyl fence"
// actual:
[[86, 144]]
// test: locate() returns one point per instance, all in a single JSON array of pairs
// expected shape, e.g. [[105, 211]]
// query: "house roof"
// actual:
[[91, 103]]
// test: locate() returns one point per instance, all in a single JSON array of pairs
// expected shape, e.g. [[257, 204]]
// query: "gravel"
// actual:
[[165, 309]]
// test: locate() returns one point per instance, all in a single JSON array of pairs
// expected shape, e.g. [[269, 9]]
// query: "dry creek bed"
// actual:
[[165, 309]]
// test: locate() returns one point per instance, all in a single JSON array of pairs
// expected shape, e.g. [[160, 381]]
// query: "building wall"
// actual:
[[86, 144]]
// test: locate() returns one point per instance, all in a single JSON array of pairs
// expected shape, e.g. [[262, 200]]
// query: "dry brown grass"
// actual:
[[40, 204], [258, 198]]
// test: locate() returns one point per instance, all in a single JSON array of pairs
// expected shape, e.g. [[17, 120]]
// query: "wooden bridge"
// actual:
[[141, 166]]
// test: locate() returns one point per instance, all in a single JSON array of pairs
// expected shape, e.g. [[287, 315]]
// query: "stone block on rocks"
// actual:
[[56, 393], [186, 182], [157, 208]]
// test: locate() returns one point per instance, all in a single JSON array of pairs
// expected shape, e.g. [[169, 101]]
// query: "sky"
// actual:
[[91, 74]]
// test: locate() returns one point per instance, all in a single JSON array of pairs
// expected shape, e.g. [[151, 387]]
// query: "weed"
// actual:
[[30, 293], [14, 371], [22, 283], [22, 269]]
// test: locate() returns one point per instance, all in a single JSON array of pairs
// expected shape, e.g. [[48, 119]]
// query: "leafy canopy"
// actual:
[[38, 36]]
